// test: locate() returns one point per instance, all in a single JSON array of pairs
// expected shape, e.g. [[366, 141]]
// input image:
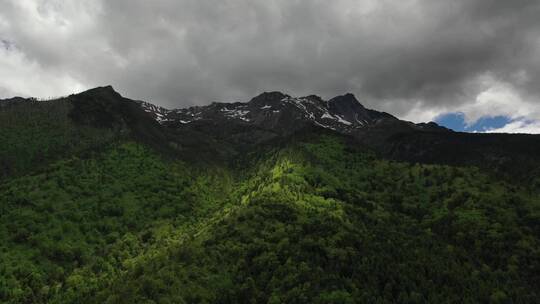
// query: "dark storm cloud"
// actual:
[[394, 55]]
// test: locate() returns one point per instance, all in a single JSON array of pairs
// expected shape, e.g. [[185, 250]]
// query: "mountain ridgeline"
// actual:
[[280, 199]]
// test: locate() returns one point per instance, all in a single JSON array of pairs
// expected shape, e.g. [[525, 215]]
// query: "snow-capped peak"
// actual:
[[275, 109]]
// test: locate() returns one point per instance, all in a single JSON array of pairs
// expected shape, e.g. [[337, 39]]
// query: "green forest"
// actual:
[[315, 221], [90, 215]]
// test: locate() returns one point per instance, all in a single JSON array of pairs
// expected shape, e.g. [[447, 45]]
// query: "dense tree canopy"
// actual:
[[315, 220]]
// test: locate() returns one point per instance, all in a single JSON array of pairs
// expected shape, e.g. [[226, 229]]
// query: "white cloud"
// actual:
[[519, 126], [20, 76], [496, 97], [418, 112], [499, 98]]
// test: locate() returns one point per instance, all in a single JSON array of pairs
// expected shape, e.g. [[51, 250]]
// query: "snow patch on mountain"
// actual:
[[235, 113], [343, 121], [327, 115], [343, 113]]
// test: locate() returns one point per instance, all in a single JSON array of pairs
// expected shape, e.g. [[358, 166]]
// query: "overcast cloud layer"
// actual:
[[414, 58]]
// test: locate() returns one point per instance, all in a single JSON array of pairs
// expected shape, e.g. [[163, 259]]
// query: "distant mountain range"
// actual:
[[225, 129], [271, 115], [278, 111]]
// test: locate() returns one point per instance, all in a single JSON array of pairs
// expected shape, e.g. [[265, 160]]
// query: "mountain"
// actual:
[[280, 199], [285, 114], [274, 114]]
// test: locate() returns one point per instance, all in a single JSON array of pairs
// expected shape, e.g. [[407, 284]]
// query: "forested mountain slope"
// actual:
[[104, 201]]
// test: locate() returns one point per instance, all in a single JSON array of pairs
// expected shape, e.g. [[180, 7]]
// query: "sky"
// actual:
[[470, 64]]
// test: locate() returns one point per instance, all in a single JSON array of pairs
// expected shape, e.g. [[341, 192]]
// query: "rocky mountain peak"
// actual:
[[348, 107], [268, 98], [273, 112], [103, 92], [347, 102]]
